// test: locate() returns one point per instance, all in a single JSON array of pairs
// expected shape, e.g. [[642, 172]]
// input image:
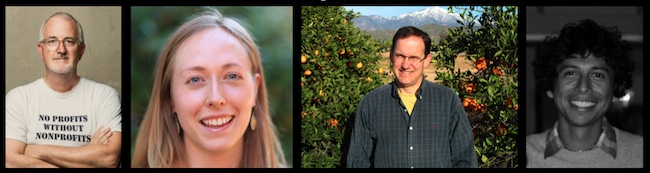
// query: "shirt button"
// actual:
[[411, 167], [411, 148], [410, 128], [405, 110]]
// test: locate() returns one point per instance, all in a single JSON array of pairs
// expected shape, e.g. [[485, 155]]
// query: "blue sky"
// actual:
[[387, 11]]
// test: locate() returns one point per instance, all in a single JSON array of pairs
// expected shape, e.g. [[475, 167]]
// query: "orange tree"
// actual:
[[339, 65], [489, 89]]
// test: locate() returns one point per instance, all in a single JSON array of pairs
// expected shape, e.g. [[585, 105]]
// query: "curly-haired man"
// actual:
[[582, 69]]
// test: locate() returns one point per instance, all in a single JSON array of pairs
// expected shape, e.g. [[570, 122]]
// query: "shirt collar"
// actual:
[[395, 92], [606, 141]]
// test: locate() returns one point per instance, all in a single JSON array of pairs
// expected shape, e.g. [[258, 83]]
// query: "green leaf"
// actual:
[[491, 90], [484, 159], [493, 79], [498, 53]]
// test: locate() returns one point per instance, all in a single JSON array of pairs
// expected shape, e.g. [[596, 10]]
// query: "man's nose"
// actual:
[[405, 63], [60, 48], [584, 84]]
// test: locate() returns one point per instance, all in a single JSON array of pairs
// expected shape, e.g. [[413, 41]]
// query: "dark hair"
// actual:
[[584, 38], [408, 31]]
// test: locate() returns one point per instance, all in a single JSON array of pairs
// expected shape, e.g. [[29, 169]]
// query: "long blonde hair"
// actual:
[[159, 144]]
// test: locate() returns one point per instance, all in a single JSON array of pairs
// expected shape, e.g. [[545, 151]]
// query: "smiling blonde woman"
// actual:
[[208, 106]]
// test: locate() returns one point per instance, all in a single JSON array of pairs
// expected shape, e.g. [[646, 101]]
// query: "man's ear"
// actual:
[[39, 46], [427, 60], [81, 52], [549, 94]]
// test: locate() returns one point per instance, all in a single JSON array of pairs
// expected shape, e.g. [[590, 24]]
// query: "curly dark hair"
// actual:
[[583, 38]]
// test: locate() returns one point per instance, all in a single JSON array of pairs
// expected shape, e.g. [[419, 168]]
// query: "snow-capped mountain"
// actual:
[[430, 15]]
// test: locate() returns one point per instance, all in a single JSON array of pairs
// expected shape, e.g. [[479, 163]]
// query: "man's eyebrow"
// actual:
[[565, 66], [606, 69], [400, 54]]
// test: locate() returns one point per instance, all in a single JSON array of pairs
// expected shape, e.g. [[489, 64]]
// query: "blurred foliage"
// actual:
[[339, 64], [272, 29], [489, 90]]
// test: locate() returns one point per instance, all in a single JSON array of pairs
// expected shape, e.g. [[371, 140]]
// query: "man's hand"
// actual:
[[101, 136], [103, 150], [15, 157]]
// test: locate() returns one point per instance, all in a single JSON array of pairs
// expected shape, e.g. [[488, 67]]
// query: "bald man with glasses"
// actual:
[[62, 119]]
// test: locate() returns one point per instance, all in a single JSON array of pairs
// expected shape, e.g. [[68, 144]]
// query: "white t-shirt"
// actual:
[[36, 114]]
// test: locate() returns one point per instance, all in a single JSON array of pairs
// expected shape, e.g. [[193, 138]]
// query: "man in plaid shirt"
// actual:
[[411, 122]]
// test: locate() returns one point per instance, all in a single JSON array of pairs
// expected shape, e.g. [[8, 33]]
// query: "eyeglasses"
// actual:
[[54, 43], [411, 59]]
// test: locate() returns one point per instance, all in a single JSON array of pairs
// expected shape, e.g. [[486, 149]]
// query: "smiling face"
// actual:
[[582, 90], [409, 75], [60, 59], [213, 91]]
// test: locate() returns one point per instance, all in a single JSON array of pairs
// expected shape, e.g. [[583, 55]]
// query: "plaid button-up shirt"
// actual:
[[606, 141], [436, 135]]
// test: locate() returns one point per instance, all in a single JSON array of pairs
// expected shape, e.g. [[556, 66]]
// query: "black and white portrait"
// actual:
[[584, 86]]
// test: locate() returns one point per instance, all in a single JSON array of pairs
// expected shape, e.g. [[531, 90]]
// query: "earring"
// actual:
[[253, 122]]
